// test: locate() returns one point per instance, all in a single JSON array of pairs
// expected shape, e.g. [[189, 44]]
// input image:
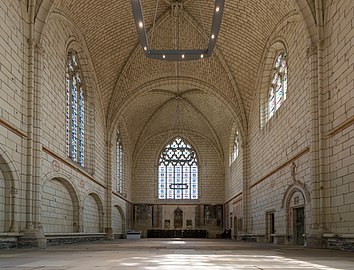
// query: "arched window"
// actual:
[[119, 164], [279, 84], [178, 171], [236, 146], [75, 111]]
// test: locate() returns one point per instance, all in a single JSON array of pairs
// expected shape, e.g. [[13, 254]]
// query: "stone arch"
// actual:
[[78, 43], [92, 213], [191, 82], [60, 207], [277, 46], [274, 42], [240, 113], [187, 136], [40, 16], [10, 193], [296, 196], [120, 217], [291, 190], [309, 18], [75, 41]]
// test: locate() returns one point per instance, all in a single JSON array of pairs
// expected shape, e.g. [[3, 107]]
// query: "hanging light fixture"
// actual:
[[177, 54]]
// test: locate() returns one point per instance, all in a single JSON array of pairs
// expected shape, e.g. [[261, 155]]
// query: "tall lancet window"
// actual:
[[119, 164], [75, 111], [178, 171], [279, 84], [236, 146]]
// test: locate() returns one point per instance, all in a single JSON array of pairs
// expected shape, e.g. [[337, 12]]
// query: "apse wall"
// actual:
[[211, 178], [145, 186]]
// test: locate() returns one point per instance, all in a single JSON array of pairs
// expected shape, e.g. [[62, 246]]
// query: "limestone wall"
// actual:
[[87, 184], [279, 158], [339, 114], [13, 113]]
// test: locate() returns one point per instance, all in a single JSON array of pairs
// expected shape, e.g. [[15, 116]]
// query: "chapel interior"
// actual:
[[177, 119]]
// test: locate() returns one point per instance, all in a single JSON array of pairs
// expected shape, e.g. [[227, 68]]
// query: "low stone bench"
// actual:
[[54, 239], [133, 235]]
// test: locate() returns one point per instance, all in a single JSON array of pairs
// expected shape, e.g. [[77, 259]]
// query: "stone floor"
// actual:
[[165, 254]]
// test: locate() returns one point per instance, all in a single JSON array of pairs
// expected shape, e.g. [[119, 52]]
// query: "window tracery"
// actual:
[[75, 112], [279, 84], [119, 164], [178, 171], [236, 147]]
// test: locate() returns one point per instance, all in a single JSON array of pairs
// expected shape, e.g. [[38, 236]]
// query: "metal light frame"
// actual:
[[177, 55]]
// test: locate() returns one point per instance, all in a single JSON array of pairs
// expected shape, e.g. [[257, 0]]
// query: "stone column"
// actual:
[[108, 228], [246, 226], [33, 234], [317, 148]]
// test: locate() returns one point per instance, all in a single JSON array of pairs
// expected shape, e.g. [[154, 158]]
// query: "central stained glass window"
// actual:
[[178, 171]]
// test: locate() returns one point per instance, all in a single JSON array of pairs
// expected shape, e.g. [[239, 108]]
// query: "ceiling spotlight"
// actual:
[[164, 56], [182, 55], [217, 9], [145, 48], [141, 24], [212, 36], [201, 56]]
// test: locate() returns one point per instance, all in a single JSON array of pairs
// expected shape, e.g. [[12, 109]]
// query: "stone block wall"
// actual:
[[338, 116], [279, 161], [13, 115]]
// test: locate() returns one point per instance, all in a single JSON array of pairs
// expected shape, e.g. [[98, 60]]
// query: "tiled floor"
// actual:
[[165, 254]]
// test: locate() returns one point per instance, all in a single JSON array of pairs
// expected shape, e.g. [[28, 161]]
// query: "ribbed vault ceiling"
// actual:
[[109, 31]]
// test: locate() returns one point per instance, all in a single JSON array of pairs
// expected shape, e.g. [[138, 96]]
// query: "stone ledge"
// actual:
[[10, 234], [9, 240], [344, 241], [54, 239]]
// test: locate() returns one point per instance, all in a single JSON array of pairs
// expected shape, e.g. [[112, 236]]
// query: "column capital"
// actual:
[[312, 50]]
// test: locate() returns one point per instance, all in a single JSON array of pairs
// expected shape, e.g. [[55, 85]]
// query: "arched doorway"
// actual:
[[295, 203]]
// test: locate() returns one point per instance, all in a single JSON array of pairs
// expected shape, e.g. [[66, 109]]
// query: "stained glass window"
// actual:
[[75, 112], [178, 171], [236, 146], [119, 164], [279, 84]]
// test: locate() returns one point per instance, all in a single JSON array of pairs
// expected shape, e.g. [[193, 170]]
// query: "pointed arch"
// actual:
[[178, 171], [117, 227], [93, 215], [11, 188], [291, 190], [59, 194]]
